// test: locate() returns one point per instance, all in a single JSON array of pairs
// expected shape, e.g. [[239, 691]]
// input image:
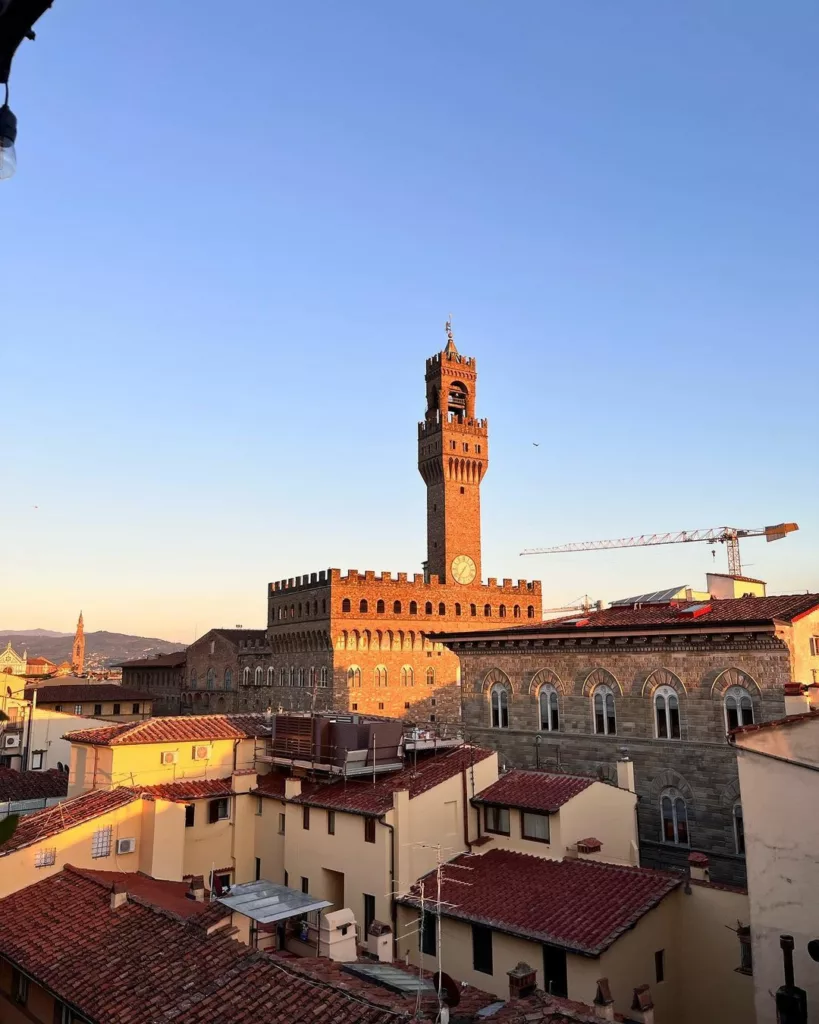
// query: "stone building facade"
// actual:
[[359, 641], [663, 684], [213, 669], [163, 677]]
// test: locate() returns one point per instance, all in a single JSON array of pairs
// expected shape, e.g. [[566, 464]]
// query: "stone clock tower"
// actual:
[[453, 455]]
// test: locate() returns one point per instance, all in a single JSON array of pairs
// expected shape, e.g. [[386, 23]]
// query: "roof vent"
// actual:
[[694, 611]]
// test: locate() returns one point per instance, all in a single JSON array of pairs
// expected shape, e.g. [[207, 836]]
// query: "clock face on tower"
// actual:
[[463, 569]]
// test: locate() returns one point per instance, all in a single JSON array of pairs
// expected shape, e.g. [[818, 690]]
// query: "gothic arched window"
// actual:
[[354, 676], [605, 723], [457, 609], [193, 678], [379, 607], [502, 611], [430, 676], [323, 675], [281, 676], [228, 679], [428, 608], [345, 604], [209, 679], [396, 607], [380, 676], [292, 679], [442, 608], [549, 713], [246, 676], [301, 677], [413, 608], [487, 610], [257, 676], [407, 676], [530, 611], [271, 675], [499, 700], [739, 708], [675, 818], [667, 713], [363, 607]]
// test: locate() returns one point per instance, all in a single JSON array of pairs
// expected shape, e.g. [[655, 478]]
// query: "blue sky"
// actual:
[[234, 236]]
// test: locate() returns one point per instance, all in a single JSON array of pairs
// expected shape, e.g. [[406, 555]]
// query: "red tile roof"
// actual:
[[177, 729], [32, 785], [737, 611], [40, 661], [581, 905], [140, 962], [776, 723], [188, 789], [362, 796], [533, 791], [33, 828], [76, 693], [166, 895], [271, 784]]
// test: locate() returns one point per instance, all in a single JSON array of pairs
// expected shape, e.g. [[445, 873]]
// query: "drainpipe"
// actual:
[[393, 905], [31, 709], [466, 810]]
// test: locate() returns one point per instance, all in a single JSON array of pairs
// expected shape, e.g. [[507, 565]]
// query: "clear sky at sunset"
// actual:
[[236, 231]]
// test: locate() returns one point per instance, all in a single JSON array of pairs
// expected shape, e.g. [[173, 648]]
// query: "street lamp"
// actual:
[[8, 135]]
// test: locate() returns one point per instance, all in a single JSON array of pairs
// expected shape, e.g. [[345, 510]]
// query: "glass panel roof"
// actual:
[[266, 902]]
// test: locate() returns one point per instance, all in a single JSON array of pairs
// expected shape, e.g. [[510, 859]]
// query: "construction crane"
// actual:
[[582, 604], [727, 535]]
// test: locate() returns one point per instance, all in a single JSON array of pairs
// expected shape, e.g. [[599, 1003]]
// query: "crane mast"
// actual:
[[727, 535]]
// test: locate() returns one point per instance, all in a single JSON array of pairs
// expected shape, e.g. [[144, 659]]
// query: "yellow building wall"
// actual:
[[606, 813], [87, 709], [161, 851], [804, 665], [73, 846], [554, 849], [268, 842]]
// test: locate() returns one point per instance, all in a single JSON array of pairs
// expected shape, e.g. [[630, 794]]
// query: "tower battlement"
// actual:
[[355, 578], [436, 422], [469, 362]]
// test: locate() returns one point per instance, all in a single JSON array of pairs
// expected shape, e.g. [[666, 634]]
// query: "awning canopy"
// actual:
[[267, 902]]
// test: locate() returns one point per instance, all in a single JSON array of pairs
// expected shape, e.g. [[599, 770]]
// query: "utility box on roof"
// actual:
[[379, 941]]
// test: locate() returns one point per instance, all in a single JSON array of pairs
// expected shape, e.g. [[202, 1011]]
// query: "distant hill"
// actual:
[[101, 649]]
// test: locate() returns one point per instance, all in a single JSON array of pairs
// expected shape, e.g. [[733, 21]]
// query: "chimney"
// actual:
[[603, 1002], [797, 699], [791, 1001], [585, 847], [522, 981], [196, 889], [642, 1006], [119, 896], [625, 774], [292, 788], [698, 867]]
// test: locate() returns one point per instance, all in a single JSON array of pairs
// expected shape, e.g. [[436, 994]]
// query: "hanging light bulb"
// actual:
[[8, 135]]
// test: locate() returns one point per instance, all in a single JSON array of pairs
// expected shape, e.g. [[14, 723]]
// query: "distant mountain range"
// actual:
[[102, 649]]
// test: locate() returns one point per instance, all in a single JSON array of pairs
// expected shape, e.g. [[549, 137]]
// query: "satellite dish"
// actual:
[[450, 993]]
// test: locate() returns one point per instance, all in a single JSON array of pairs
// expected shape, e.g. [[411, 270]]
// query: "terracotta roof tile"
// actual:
[[776, 723], [32, 785], [533, 791], [578, 904], [33, 828], [271, 784], [188, 789], [360, 796], [76, 693], [167, 895], [177, 729], [142, 962]]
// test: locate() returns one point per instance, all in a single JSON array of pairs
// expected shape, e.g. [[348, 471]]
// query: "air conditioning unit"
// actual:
[[169, 757], [126, 845], [201, 752], [10, 742]]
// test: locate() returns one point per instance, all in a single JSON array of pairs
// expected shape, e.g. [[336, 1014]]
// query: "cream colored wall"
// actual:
[[804, 666], [208, 846], [107, 711], [607, 813], [268, 844], [780, 806], [799, 741], [161, 851], [48, 729], [365, 866], [73, 846], [554, 849], [91, 767]]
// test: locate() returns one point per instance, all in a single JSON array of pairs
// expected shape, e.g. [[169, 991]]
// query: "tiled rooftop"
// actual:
[[32, 785], [177, 729], [33, 828], [533, 791], [776, 723], [362, 796], [581, 905], [141, 962], [728, 612], [165, 895], [188, 789], [76, 693], [271, 784]]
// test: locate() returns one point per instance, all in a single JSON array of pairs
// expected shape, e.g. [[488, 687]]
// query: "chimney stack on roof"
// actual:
[[119, 895], [522, 981], [625, 773], [196, 889], [603, 1001], [698, 867], [642, 1006]]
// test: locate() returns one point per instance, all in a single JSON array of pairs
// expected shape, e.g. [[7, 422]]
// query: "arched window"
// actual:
[[246, 676], [193, 679], [271, 675], [428, 608], [667, 713], [354, 676], [324, 606], [457, 608], [281, 676], [739, 708], [209, 678], [675, 818], [300, 609], [739, 829], [500, 707], [442, 608], [345, 604], [292, 679], [430, 676], [311, 677], [380, 607], [301, 676], [315, 608], [473, 609], [396, 607], [605, 723], [292, 611], [381, 675], [228, 679], [487, 610], [363, 607], [516, 611], [407, 676], [549, 713], [413, 607], [323, 675], [530, 611], [257, 676], [502, 611]]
